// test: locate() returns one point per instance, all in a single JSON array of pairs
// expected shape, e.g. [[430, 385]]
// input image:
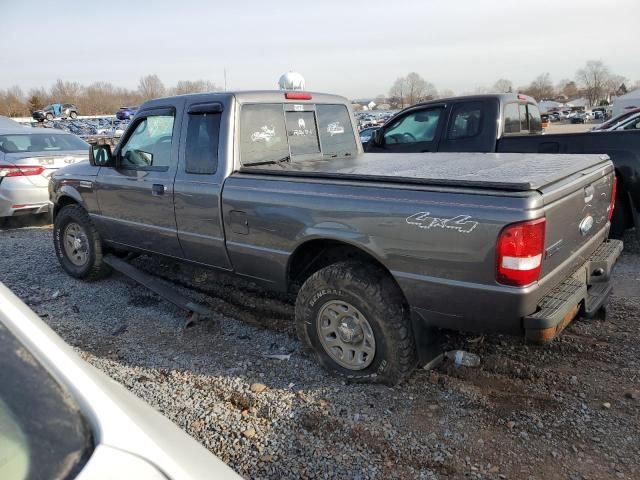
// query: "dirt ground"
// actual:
[[569, 410]]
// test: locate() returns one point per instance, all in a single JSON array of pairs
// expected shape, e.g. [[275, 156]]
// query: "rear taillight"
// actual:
[[614, 191], [19, 171], [519, 253]]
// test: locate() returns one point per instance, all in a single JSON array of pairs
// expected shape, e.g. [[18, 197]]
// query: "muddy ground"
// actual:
[[569, 410]]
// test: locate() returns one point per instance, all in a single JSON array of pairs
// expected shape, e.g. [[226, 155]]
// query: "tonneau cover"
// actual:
[[503, 171]]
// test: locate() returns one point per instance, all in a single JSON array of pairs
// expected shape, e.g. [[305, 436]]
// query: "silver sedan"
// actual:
[[62, 418], [28, 157]]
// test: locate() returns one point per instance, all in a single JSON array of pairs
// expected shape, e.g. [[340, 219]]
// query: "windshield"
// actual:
[[50, 142], [42, 432]]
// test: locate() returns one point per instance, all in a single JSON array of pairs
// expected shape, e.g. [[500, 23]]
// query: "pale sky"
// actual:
[[352, 48]]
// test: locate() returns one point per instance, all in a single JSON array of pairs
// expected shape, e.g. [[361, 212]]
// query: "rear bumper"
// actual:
[[19, 196], [586, 290]]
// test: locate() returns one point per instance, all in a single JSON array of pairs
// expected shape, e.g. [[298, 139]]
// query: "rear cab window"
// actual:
[[274, 132], [521, 118]]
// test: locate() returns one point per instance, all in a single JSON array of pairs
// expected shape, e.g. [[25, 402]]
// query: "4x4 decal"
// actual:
[[460, 223]]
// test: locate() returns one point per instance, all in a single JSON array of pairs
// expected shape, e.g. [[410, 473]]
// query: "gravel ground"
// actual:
[[569, 410]]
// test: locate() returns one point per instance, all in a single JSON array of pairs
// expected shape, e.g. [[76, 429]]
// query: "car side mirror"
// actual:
[[378, 138], [100, 156]]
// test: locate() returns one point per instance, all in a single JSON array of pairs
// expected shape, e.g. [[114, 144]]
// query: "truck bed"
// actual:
[[502, 171]]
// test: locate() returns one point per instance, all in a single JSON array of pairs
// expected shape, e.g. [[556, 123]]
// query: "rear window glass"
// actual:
[[263, 136], [201, 151], [524, 121], [511, 118], [336, 131], [272, 132], [302, 133], [40, 143], [535, 121]]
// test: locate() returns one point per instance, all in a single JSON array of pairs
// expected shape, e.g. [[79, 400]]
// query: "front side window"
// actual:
[[466, 121], [511, 118], [633, 125], [150, 143], [419, 126], [336, 132], [263, 135], [201, 152]]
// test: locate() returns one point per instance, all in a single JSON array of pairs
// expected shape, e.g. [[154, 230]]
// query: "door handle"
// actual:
[[158, 189]]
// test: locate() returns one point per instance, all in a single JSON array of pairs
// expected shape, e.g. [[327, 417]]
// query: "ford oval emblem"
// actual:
[[586, 224]]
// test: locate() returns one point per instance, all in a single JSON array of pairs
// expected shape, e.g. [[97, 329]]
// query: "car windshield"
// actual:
[[615, 120], [49, 142], [42, 431]]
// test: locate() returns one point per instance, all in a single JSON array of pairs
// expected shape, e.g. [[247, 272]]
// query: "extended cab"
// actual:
[[511, 123], [274, 187]]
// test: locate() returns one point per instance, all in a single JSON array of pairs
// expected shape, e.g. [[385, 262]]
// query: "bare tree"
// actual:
[[193, 86], [64, 91], [567, 88], [12, 102], [593, 78], [446, 93], [151, 87], [503, 86], [397, 92], [541, 88], [614, 86]]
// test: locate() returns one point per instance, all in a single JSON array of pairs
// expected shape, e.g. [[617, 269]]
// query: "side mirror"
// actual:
[[378, 137], [100, 156]]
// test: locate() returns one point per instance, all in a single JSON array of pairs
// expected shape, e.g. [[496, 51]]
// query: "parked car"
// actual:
[[56, 110], [579, 118], [377, 248], [62, 418], [613, 122], [468, 124], [630, 123], [126, 113], [28, 157]]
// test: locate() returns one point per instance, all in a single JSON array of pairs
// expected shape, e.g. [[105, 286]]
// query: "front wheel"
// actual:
[[73, 115], [352, 315], [49, 116], [77, 244]]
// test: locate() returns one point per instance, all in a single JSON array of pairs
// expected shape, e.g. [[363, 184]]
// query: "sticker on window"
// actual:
[[265, 134], [335, 129]]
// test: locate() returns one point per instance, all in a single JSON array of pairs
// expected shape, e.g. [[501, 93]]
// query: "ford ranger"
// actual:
[[378, 248], [511, 122]]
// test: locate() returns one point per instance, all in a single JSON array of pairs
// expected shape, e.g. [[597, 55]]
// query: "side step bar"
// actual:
[[195, 309]]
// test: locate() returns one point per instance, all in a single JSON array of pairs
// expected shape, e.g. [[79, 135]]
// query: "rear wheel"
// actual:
[[49, 116], [78, 245], [353, 317], [73, 115]]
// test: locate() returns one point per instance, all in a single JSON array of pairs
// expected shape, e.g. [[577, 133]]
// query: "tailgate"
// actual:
[[576, 211]]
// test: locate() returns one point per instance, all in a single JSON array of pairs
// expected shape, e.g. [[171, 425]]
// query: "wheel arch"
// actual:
[[317, 253]]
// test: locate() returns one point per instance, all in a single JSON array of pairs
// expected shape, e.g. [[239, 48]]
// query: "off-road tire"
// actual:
[[48, 116], [73, 115], [374, 293], [95, 267]]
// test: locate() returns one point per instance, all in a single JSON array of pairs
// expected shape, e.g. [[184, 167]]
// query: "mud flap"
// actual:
[[429, 350], [195, 310]]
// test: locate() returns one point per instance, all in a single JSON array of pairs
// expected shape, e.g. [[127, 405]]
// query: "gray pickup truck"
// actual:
[[379, 248]]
